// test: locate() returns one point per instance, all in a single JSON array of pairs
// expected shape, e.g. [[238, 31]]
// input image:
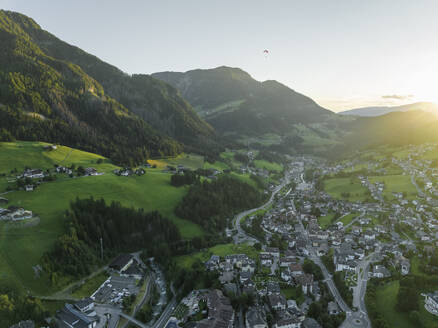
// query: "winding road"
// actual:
[[241, 236]]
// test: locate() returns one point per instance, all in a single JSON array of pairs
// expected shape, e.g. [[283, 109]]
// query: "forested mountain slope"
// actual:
[[55, 92]]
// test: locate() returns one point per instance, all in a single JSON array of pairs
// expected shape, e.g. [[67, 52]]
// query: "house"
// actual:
[[33, 174], [273, 288], [405, 266], [369, 235], [73, 318], [310, 323], [24, 324], [306, 282], [85, 305], [220, 311], [226, 277], [379, 271], [296, 269], [213, 263], [274, 251], [62, 169], [288, 323], [91, 171], [122, 262], [286, 261], [18, 214], [266, 259], [332, 308], [277, 302], [431, 302], [244, 276], [255, 318], [133, 271]]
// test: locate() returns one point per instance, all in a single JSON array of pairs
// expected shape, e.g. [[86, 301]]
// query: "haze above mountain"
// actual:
[[381, 110]]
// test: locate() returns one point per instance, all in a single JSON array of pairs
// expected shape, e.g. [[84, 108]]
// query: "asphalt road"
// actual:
[[242, 236]]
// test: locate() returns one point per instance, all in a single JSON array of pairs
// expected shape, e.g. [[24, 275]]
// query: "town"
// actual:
[[307, 255]]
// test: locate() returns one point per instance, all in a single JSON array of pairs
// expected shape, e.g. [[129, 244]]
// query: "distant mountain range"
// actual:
[[52, 91], [377, 111]]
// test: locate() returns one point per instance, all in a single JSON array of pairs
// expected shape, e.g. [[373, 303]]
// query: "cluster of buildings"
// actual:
[[13, 213]]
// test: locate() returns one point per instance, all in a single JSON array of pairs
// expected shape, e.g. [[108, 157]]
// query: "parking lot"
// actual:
[[115, 289]]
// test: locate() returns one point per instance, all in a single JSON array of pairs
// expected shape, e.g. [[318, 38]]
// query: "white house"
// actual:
[[431, 302]]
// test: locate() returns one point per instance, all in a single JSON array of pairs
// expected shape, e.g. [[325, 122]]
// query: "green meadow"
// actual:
[[23, 154], [335, 187], [326, 220], [396, 183], [262, 164], [386, 300], [348, 218], [186, 261], [49, 201]]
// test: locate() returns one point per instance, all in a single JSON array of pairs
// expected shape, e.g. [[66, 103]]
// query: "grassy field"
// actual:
[[396, 183], [348, 218], [293, 293], [326, 221], [151, 192], [386, 300], [90, 286], [245, 178], [190, 161], [336, 186], [262, 164], [186, 261], [32, 154]]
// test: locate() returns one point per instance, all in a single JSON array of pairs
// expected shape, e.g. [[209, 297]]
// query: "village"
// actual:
[[312, 256]]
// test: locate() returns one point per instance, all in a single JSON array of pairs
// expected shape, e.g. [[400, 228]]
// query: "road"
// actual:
[[420, 192], [353, 319], [165, 316], [115, 313], [242, 236]]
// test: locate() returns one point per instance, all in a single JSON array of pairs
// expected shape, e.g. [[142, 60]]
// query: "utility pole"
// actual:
[[101, 248]]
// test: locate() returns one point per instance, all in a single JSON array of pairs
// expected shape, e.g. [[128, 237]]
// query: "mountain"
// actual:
[[235, 103], [377, 111], [395, 129], [52, 91]]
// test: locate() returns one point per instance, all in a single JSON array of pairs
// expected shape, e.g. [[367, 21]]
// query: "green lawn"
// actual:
[[348, 218], [396, 183], [326, 221], [186, 261], [293, 293], [386, 300], [262, 164], [335, 187]]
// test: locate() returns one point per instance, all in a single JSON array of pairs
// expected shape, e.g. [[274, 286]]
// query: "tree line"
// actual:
[[209, 204]]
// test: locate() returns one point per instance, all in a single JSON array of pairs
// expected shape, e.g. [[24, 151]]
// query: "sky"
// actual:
[[344, 54]]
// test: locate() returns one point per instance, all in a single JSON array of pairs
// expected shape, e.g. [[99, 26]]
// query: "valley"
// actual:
[[209, 198]]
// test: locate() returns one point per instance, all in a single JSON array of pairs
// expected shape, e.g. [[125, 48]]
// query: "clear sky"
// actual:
[[342, 53]]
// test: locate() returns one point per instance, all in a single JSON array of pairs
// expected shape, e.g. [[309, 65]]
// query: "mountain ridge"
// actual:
[[155, 106], [223, 95], [382, 110]]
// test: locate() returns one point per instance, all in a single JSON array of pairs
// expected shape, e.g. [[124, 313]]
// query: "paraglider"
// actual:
[[266, 53]]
